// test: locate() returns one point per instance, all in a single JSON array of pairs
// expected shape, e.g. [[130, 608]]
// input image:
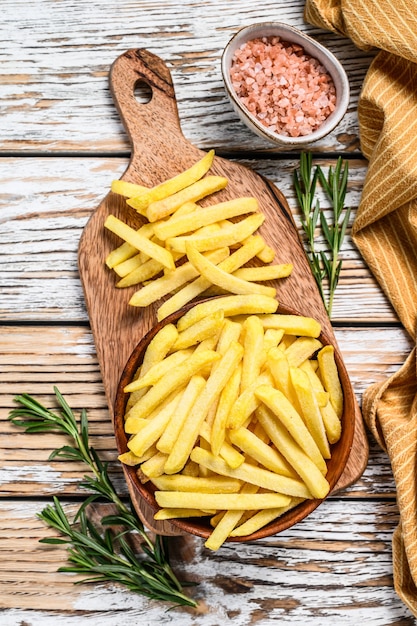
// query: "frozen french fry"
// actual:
[[228, 501], [310, 410], [307, 470], [140, 242], [215, 383], [172, 380], [286, 413], [252, 474], [330, 377], [265, 272], [230, 236], [204, 216], [194, 192], [175, 425], [231, 305], [171, 281], [143, 197]]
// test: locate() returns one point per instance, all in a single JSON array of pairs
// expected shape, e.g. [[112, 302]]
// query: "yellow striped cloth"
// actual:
[[385, 231]]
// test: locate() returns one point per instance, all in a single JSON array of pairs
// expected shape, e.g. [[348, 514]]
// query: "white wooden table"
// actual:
[[61, 145]]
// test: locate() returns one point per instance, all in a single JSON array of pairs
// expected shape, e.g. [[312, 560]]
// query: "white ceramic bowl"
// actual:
[[312, 48]]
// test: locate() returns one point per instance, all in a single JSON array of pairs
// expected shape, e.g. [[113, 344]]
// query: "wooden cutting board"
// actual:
[[160, 151]]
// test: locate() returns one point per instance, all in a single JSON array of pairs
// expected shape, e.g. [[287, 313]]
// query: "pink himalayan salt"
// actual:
[[288, 91]]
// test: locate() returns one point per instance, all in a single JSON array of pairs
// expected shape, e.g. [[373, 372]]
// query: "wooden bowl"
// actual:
[[201, 526]]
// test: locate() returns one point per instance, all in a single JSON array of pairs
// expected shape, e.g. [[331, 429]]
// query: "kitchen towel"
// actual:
[[385, 231]]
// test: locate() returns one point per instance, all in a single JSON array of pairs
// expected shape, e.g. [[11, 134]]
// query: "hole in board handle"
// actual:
[[142, 92]]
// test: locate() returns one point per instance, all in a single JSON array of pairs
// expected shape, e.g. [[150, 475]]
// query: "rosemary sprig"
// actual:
[[103, 556], [325, 264]]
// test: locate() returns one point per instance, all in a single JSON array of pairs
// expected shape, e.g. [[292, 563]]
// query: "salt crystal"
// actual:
[[287, 90]]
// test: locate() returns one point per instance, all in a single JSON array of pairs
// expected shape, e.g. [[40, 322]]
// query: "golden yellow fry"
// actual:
[[139, 241], [172, 380], [171, 281], [301, 349], [266, 255], [228, 501], [265, 455], [230, 236], [228, 522], [196, 191], [131, 264], [331, 422], [158, 370], [191, 469], [175, 425], [321, 395], [204, 216], [292, 324], [310, 409], [308, 471], [272, 339], [251, 474], [209, 343], [253, 343], [330, 377], [128, 458], [228, 453], [171, 186], [133, 425], [231, 305], [120, 255], [130, 269], [121, 259], [129, 190], [203, 329], [145, 271], [267, 272], [158, 348], [164, 514], [247, 402], [262, 518], [215, 383], [286, 413], [150, 433], [217, 276], [241, 256], [154, 467], [227, 399], [211, 484], [230, 332]]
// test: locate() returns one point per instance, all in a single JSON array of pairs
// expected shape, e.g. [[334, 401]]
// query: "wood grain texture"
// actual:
[[46, 202], [34, 358], [311, 574], [55, 58], [62, 144], [160, 151]]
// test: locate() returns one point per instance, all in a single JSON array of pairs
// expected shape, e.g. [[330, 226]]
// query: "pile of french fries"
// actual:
[[183, 249], [232, 414]]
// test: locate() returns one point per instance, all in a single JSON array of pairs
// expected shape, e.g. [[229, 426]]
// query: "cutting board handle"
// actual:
[[157, 118]]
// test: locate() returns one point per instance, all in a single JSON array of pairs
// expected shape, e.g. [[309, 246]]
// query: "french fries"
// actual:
[[216, 434], [178, 229], [235, 408]]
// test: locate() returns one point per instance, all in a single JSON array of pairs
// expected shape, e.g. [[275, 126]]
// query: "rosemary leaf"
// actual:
[[98, 551], [325, 264]]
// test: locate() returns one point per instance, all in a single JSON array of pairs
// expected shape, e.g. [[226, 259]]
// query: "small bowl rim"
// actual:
[[197, 526], [333, 65]]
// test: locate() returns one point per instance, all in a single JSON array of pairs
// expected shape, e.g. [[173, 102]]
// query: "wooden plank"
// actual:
[[54, 90], [34, 358], [47, 202], [333, 567]]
